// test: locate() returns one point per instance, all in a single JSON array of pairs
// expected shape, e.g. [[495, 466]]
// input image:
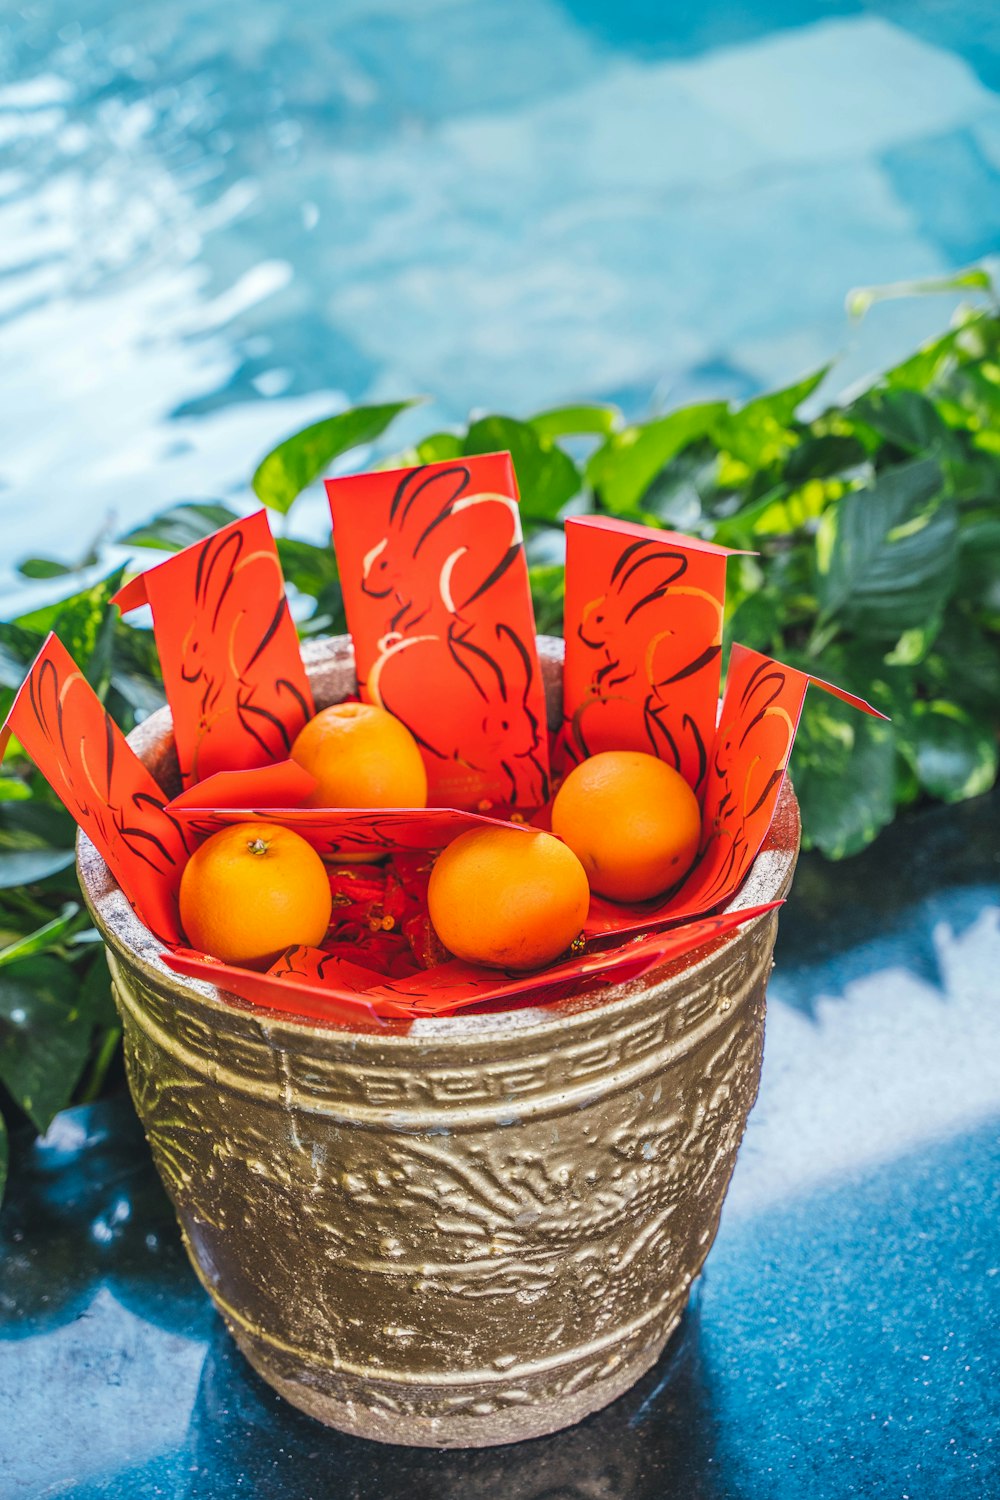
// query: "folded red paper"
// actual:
[[748, 760], [345, 832], [644, 613], [317, 976], [66, 730], [232, 670], [437, 599], [436, 591]]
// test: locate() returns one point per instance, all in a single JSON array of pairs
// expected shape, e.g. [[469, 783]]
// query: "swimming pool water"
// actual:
[[221, 220]]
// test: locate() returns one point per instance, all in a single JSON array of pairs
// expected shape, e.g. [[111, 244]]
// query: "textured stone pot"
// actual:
[[477, 1231]]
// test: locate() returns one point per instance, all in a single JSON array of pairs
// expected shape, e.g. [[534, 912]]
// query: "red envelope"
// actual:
[[436, 593], [274, 992], [232, 670], [98, 777], [314, 977], [344, 833], [749, 758], [644, 612], [283, 784]]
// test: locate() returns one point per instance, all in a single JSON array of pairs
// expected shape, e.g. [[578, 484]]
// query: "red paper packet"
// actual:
[[747, 766], [316, 974], [644, 612], [232, 670], [438, 603], [98, 777]]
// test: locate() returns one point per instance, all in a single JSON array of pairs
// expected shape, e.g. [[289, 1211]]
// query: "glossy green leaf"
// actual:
[[860, 298], [576, 421], [288, 469], [180, 526], [907, 419], [46, 936], [95, 1000], [44, 1036], [84, 622], [759, 433], [547, 595], [25, 866], [625, 465], [547, 477], [886, 554], [953, 754], [844, 772], [43, 567]]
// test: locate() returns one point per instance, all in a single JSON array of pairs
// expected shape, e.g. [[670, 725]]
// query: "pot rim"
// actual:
[[769, 878]]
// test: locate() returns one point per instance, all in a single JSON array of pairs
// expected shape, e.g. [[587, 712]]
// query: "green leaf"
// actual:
[[965, 664], [43, 567], [180, 526], [860, 298], [953, 754], [678, 495], [759, 434], [288, 469], [625, 465], [906, 418], [546, 476], [844, 773], [886, 554], [95, 1000], [25, 867], [313, 572], [84, 621], [756, 621], [576, 421], [46, 936], [3, 1157], [826, 456], [44, 1036], [547, 595]]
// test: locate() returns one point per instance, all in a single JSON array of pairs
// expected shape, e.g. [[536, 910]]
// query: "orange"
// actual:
[[361, 756], [509, 899], [633, 821], [252, 890]]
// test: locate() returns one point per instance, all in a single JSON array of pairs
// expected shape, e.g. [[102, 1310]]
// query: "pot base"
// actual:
[[378, 1418]]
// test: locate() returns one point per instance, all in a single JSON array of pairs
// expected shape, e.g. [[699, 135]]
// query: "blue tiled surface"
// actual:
[[844, 1340], [221, 218]]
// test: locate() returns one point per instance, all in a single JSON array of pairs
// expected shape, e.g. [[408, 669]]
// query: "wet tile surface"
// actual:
[[845, 1337]]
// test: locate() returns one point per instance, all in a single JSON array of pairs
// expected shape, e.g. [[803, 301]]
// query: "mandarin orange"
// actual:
[[508, 898], [632, 820], [252, 890], [361, 756]]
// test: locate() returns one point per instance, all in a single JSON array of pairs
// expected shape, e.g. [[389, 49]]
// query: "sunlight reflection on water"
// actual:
[[219, 222]]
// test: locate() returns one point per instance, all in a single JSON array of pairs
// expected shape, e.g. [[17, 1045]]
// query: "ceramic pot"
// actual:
[[471, 1232]]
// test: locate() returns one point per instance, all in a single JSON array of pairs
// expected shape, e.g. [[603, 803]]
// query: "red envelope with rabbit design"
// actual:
[[442, 620], [227, 644], [325, 986], [748, 761], [437, 599], [644, 613], [66, 730]]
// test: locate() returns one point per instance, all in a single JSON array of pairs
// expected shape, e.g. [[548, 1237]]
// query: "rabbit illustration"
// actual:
[[650, 633], [487, 723], [245, 708], [417, 566], [749, 759], [103, 784], [445, 548]]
